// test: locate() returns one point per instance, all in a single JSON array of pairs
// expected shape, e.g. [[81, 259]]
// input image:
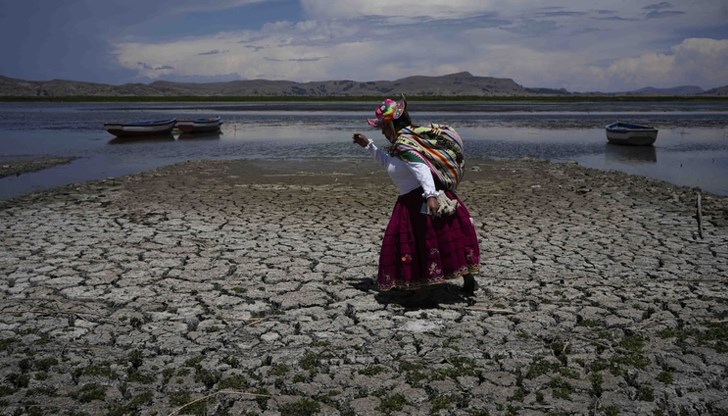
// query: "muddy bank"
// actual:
[[246, 286], [20, 166]]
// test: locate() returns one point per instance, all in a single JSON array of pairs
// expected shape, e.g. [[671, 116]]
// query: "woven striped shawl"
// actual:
[[438, 146]]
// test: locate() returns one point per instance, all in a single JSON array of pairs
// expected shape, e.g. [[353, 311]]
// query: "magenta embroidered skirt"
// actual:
[[419, 249]]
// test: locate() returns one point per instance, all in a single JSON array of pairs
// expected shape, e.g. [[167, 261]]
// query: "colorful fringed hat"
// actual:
[[388, 111]]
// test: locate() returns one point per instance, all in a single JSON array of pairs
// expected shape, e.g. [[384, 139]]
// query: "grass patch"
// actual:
[[132, 407], [596, 380], [6, 343], [714, 336], [413, 373], [373, 370], [194, 362], [541, 366], [231, 361], [136, 376], [561, 388], [90, 392], [236, 382], [646, 394], [6, 391], [303, 407], [280, 370], [589, 323], [392, 403], [262, 398], [19, 381], [440, 403], [632, 343], [102, 369], [631, 356], [611, 410], [206, 377], [665, 377], [311, 361], [182, 398]]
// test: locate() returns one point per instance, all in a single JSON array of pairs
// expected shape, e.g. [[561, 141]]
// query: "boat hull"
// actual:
[[202, 125], [141, 129], [631, 134]]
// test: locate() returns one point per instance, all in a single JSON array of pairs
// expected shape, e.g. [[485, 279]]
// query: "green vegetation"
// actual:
[[596, 380], [90, 392], [646, 394], [133, 406], [611, 410], [183, 398], [311, 361], [373, 370], [6, 343], [541, 366], [392, 403], [280, 370], [417, 373], [561, 388], [237, 382], [443, 403], [665, 377]]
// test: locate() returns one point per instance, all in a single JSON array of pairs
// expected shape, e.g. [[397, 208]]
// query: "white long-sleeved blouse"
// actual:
[[406, 176]]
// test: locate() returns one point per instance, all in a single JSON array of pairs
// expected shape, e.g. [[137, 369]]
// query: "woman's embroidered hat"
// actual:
[[388, 111]]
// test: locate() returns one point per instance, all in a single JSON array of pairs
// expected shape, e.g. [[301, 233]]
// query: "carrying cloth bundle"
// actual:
[[438, 146]]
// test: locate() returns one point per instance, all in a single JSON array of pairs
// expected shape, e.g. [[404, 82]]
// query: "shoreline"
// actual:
[[345, 166], [18, 166], [249, 281]]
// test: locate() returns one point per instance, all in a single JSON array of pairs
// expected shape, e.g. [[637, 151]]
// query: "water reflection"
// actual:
[[630, 154], [213, 135], [142, 139]]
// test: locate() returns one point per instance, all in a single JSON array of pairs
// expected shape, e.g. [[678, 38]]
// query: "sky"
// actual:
[[595, 45]]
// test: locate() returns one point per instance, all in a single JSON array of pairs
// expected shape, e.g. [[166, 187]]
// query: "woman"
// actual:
[[421, 245]]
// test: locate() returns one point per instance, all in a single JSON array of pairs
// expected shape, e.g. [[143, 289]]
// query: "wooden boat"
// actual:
[[141, 128], [199, 125], [631, 134]]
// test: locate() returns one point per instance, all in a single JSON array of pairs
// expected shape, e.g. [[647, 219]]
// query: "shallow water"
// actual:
[[691, 149]]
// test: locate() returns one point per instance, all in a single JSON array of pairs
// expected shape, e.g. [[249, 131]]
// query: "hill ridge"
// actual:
[[450, 85]]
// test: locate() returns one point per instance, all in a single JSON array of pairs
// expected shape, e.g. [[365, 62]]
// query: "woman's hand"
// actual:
[[433, 206], [360, 139]]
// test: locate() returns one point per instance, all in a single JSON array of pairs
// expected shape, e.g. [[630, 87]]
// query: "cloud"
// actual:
[[193, 6], [557, 44], [212, 52], [693, 61], [658, 6], [436, 9], [660, 14]]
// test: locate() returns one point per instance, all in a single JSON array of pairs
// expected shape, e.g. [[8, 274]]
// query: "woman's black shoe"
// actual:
[[468, 285]]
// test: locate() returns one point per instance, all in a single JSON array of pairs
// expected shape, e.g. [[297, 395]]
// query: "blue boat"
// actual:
[[631, 134]]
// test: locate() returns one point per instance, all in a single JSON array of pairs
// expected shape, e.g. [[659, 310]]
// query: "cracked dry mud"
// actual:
[[245, 287]]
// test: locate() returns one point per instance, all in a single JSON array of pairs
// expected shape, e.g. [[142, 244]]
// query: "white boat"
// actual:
[[141, 128], [631, 134], [199, 125]]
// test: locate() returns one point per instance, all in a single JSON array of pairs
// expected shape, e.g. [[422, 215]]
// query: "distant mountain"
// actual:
[[683, 90], [720, 91], [453, 85], [62, 88], [459, 84]]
